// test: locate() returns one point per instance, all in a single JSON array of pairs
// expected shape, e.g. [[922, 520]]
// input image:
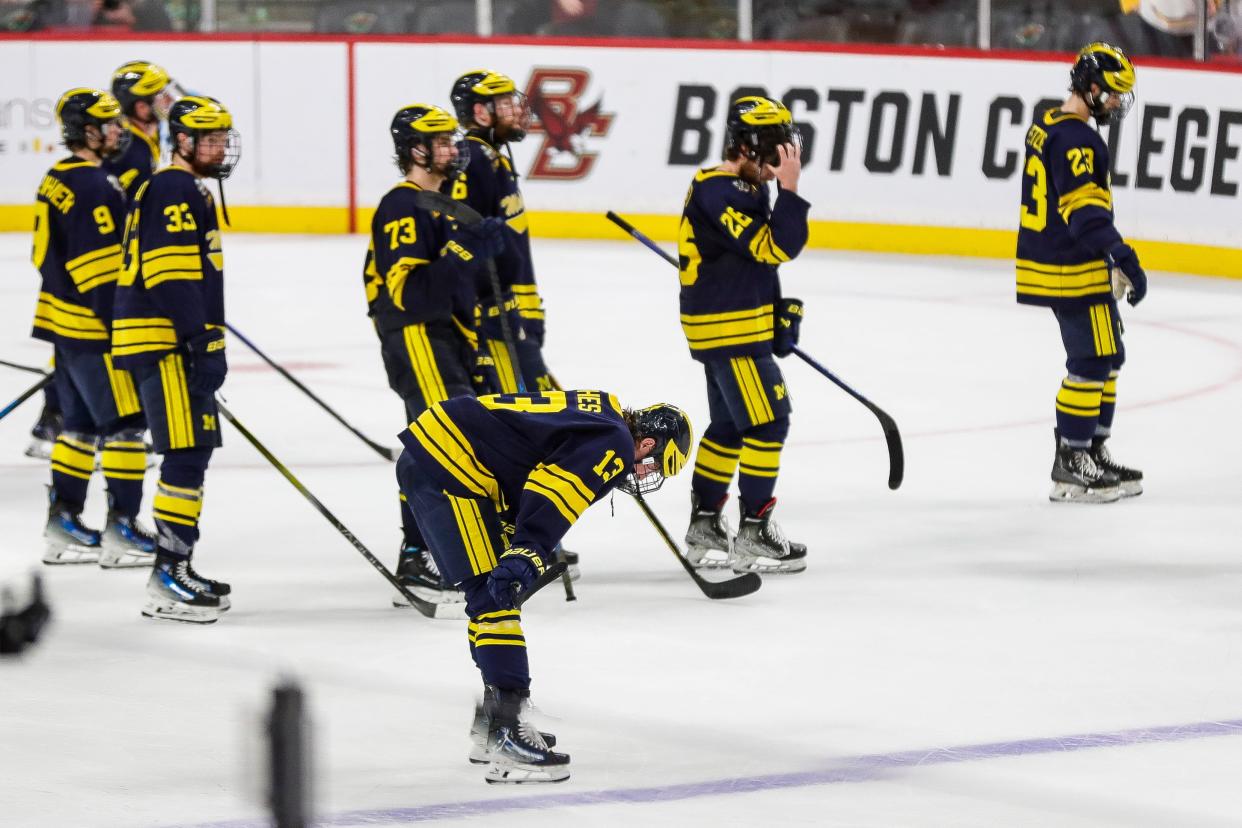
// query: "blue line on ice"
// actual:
[[845, 769]]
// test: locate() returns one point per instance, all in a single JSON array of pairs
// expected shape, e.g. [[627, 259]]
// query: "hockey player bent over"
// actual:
[[494, 483], [420, 279], [1067, 244], [169, 332], [735, 320], [79, 221]]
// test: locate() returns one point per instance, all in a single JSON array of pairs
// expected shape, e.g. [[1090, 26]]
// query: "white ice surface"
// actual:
[[962, 609]]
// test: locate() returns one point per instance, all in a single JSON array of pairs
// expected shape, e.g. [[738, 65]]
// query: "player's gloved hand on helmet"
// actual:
[[485, 239], [207, 363], [788, 324], [1126, 260], [518, 567]]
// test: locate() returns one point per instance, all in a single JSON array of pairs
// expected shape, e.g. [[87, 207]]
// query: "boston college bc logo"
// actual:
[[555, 98]]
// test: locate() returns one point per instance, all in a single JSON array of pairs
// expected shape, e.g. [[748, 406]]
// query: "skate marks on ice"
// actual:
[[845, 770]]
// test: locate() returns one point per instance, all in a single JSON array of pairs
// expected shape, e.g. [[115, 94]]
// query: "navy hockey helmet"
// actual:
[[483, 86], [1107, 67], [197, 116], [80, 108], [669, 426], [417, 126], [756, 126], [141, 80]]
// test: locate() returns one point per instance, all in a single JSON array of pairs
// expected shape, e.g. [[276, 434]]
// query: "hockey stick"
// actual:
[[27, 394], [27, 368], [896, 455], [732, 588], [382, 451], [549, 575], [427, 608]]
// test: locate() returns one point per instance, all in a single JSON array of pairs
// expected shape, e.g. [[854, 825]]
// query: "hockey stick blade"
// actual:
[[549, 575], [716, 590], [896, 453], [440, 203], [427, 608]]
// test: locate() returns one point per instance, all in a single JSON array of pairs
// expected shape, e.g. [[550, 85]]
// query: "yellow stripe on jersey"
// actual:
[[443, 440], [758, 408], [423, 361], [1088, 195], [764, 248], [67, 319], [705, 331], [394, 279], [760, 458], [176, 504], [1065, 281], [99, 267], [564, 489], [502, 629], [124, 460], [176, 261], [1080, 399], [1102, 330], [474, 537], [504, 366], [139, 335], [123, 391], [716, 462], [529, 303], [73, 457], [176, 402]]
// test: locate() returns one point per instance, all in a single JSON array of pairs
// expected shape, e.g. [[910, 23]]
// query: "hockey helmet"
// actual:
[[1107, 67], [669, 426], [483, 86], [140, 80], [756, 126], [418, 125], [80, 108], [199, 115]]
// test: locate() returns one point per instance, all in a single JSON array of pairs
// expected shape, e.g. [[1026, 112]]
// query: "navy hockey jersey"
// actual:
[[414, 271], [489, 184], [172, 287], [1065, 194], [79, 221], [728, 249], [134, 167], [543, 458]]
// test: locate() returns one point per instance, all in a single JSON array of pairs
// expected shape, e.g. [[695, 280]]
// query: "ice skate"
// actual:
[[709, 540], [571, 563], [1077, 479], [66, 539], [517, 750], [417, 572], [220, 589], [761, 547], [43, 435], [172, 595], [126, 543], [481, 724], [1129, 480]]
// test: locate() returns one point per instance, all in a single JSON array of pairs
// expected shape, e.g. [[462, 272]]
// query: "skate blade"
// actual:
[[514, 774], [701, 558], [172, 611], [72, 554], [439, 597], [762, 565], [1073, 493], [125, 557], [1131, 488]]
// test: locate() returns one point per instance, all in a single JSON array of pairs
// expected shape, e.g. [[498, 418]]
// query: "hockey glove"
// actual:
[[1131, 278], [484, 377], [788, 324], [534, 330], [485, 239], [208, 365], [517, 569]]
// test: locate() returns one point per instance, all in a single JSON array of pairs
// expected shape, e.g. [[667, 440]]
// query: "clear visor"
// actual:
[[165, 98], [116, 137], [512, 112], [1125, 102]]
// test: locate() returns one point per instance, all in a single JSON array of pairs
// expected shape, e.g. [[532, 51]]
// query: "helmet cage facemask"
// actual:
[[636, 486], [1098, 104], [221, 169], [426, 143]]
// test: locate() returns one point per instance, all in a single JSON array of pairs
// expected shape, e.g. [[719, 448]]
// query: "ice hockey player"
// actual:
[[496, 115], [1067, 246], [735, 320], [79, 221], [495, 482], [169, 331], [420, 283], [146, 93]]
